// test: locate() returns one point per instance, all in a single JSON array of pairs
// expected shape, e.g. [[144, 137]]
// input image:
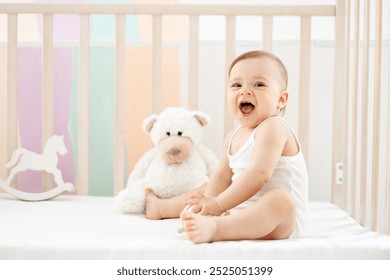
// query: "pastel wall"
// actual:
[[30, 109], [139, 95], [101, 116]]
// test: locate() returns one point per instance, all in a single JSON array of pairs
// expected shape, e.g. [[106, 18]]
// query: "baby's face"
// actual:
[[254, 89]]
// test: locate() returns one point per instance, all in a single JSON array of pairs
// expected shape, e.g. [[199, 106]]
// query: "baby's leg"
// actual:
[[157, 208], [271, 217]]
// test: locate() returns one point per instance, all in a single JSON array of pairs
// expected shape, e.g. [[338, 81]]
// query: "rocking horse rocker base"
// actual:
[[66, 187]]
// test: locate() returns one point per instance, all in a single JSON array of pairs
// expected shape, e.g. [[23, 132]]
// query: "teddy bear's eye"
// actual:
[[179, 133], [168, 133]]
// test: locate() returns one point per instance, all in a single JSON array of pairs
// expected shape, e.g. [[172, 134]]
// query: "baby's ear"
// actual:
[[202, 117], [283, 99], [149, 122]]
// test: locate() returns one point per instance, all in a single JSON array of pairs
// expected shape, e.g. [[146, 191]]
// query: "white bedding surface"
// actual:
[[85, 227]]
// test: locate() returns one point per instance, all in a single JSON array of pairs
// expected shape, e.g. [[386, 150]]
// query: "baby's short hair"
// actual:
[[258, 53]]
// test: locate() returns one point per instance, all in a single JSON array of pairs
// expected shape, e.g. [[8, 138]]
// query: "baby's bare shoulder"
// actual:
[[275, 124]]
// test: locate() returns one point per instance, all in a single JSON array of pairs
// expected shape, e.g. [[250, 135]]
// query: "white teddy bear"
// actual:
[[175, 165]]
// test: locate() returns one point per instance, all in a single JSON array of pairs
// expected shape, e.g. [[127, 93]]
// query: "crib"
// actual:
[[354, 224]]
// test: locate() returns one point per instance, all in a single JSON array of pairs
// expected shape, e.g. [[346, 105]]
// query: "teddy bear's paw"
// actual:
[[131, 201]]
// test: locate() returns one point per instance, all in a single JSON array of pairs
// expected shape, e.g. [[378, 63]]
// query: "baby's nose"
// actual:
[[246, 91]]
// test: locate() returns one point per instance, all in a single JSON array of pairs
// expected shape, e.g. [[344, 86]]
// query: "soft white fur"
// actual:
[[152, 171]]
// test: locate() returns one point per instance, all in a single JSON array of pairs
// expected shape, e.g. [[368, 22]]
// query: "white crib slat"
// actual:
[[48, 88], [354, 122], [157, 64], [47, 77], [119, 163], [376, 116], [344, 190], [267, 33], [364, 130], [3, 119], [304, 85], [230, 42], [193, 61], [387, 182], [339, 102], [83, 108], [387, 186], [12, 50]]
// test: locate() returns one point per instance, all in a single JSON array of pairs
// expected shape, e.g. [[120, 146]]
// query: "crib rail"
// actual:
[[365, 192], [169, 9], [373, 189], [350, 136]]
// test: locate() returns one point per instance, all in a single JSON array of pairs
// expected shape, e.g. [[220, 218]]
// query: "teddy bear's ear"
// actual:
[[148, 123], [202, 117]]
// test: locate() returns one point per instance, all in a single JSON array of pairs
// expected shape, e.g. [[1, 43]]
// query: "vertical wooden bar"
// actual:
[[3, 120], [355, 97], [339, 102], [344, 190], [119, 160], [387, 182], [157, 64], [364, 129], [193, 62], [267, 33], [230, 43], [83, 107], [376, 133], [48, 88], [12, 82], [304, 85]]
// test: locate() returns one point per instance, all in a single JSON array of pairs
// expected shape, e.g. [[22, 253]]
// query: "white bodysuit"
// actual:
[[290, 174]]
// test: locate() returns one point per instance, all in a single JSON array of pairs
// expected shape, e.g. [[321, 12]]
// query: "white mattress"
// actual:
[[85, 227]]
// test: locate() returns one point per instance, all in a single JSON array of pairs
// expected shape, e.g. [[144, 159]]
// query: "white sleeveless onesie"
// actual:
[[290, 174]]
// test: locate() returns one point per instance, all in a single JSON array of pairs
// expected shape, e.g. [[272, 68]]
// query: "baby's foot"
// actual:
[[152, 211], [199, 228]]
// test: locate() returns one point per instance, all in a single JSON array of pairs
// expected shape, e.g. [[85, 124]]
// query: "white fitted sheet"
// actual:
[[86, 227]]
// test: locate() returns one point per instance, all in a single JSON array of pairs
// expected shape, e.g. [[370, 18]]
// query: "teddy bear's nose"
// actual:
[[173, 152]]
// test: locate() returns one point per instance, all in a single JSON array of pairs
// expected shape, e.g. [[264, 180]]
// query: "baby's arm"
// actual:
[[270, 140], [218, 182], [222, 175]]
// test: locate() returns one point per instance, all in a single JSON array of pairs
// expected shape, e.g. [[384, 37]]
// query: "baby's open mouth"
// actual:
[[246, 107]]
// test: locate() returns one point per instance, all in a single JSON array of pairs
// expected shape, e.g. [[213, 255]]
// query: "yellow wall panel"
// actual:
[[138, 101]]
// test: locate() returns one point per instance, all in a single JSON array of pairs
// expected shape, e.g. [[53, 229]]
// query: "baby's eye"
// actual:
[[259, 84], [236, 85]]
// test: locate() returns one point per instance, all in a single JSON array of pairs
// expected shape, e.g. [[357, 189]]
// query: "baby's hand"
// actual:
[[203, 205], [196, 201], [211, 207]]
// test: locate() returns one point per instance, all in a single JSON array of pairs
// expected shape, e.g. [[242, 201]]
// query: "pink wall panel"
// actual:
[[30, 110]]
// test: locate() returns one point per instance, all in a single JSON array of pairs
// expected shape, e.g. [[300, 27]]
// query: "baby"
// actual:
[[261, 180]]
